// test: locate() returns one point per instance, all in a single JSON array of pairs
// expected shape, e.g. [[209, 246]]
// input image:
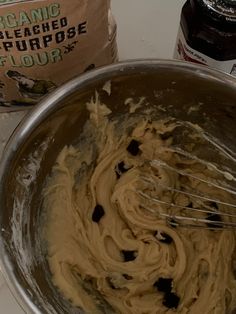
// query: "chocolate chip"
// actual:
[[127, 277], [98, 213], [172, 222], [214, 218], [190, 205], [121, 168], [133, 148], [214, 205], [118, 175], [171, 300], [167, 239], [163, 285], [163, 237], [129, 255]]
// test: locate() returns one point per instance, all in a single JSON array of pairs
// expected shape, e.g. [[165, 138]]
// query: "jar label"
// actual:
[[184, 52]]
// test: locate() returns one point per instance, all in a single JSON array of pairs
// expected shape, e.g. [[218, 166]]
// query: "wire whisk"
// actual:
[[208, 198]]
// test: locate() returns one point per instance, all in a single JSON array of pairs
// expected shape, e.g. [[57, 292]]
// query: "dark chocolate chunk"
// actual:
[[166, 238], [214, 218], [129, 255], [118, 175], [98, 213], [163, 237], [121, 168], [214, 205], [127, 277], [163, 285], [133, 148], [171, 300], [190, 205], [172, 222]]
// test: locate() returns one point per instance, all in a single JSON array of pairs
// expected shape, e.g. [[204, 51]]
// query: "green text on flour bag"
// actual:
[[44, 43]]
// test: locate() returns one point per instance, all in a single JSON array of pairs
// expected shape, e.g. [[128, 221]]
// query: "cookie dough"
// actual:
[[109, 249]]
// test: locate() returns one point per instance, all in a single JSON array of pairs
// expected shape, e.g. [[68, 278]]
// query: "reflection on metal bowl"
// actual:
[[56, 122]]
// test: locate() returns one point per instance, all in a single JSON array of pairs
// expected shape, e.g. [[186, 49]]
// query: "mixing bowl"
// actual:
[[170, 87]]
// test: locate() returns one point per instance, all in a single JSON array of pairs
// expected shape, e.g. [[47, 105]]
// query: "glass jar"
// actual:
[[207, 34]]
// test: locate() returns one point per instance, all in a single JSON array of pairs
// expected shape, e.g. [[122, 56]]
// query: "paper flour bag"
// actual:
[[43, 43]]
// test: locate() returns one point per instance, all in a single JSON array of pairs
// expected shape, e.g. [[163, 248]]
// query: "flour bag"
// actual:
[[43, 43]]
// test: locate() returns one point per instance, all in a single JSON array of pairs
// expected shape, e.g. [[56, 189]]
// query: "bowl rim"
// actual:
[[49, 103]]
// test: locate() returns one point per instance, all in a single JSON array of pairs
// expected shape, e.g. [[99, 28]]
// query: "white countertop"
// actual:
[[146, 28]]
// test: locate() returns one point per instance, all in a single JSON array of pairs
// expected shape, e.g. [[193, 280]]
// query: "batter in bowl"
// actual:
[[107, 252]]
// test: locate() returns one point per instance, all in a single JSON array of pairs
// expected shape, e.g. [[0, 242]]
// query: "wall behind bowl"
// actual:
[[147, 28]]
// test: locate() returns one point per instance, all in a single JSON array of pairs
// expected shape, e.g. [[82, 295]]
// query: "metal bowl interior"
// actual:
[[32, 151]]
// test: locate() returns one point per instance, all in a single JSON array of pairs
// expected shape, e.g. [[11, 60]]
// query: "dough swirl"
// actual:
[[106, 251]]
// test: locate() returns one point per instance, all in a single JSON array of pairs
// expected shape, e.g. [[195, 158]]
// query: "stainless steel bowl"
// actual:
[[57, 121]]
